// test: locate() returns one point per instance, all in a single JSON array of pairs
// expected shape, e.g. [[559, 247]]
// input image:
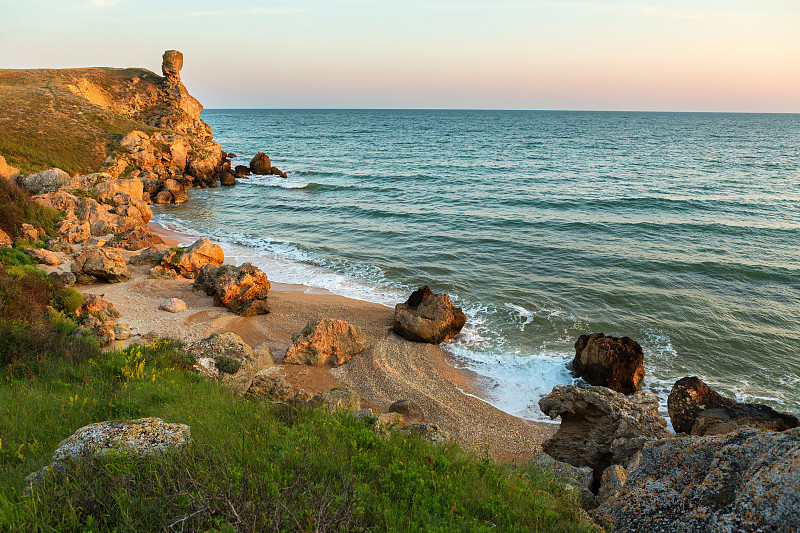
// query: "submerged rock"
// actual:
[[428, 317], [260, 164], [616, 363], [324, 342]]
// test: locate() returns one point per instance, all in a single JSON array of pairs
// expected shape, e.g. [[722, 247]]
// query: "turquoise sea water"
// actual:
[[679, 230]]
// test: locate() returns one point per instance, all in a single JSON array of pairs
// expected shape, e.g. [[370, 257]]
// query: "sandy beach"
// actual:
[[390, 369]]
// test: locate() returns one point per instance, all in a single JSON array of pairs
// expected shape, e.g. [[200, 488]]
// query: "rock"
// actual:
[[609, 362], [135, 239], [95, 242], [242, 289], [159, 272], [176, 191], [59, 200], [150, 255], [121, 332], [409, 409], [163, 197], [7, 172], [338, 399], [600, 427], [5, 240], [142, 437], [227, 179], [60, 245], [105, 334], [105, 264], [47, 181], [173, 305], [260, 164], [274, 388], [611, 484], [697, 409], [187, 262], [326, 342], [74, 231], [579, 478], [28, 232], [171, 65], [428, 317], [742, 481], [275, 171], [62, 279], [135, 140], [227, 358], [179, 151], [43, 257], [430, 432], [99, 307], [241, 170]]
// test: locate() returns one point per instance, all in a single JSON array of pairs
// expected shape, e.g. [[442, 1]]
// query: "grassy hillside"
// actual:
[[68, 118]]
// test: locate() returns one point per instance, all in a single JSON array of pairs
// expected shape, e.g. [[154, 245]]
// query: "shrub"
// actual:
[[67, 300], [14, 257], [17, 207], [227, 365]]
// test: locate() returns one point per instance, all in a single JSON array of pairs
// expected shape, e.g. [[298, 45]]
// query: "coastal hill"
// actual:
[[74, 119]]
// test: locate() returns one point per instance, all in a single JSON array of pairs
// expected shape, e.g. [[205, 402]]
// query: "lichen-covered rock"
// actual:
[[42, 256], [159, 272], [430, 432], [616, 363], [274, 388], [187, 262], [428, 317], [60, 246], [173, 305], [743, 481], [142, 437], [580, 478], [73, 231], [409, 409], [600, 427], [325, 342], [59, 200], [338, 399], [242, 289], [42, 182], [135, 239], [62, 279], [99, 307], [101, 263], [227, 358], [260, 164], [697, 409], [121, 332]]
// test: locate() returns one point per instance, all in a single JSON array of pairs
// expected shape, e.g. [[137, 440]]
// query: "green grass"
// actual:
[[253, 465], [17, 207]]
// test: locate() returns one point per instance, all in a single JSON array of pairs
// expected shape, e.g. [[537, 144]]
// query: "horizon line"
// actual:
[[497, 110]]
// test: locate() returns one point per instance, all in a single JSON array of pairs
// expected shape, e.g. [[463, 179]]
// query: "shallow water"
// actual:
[[679, 230]]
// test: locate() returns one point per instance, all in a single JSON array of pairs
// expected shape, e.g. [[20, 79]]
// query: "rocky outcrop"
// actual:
[[171, 65], [42, 182], [242, 289], [106, 265], [43, 257], [142, 437], [616, 363], [73, 231], [150, 255], [29, 233], [135, 239], [5, 240], [273, 388], [187, 262], [697, 409], [742, 481], [225, 357], [580, 478], [326, 342], [600, 427], [428, 317]]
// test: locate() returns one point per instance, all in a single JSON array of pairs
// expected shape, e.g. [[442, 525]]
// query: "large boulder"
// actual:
[[696, 408], [142, 437], [43, 257], [600, 427], [59, 200], [187, 262], [428, 317], [107, 265], [609, 362], [326, 342], [176, 190], [225, 357], [99, 307], [150, 255], [73, 231], [135, 239], [171, 65], [42, 182], [742, 481], [274, 388], [242, 289], [260, 164]]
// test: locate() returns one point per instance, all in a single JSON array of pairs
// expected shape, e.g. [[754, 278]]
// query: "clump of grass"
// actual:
[[227, 365], [253, 465], [14, 257]]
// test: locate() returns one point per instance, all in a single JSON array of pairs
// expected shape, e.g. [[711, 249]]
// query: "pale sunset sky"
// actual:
[[658, 55]]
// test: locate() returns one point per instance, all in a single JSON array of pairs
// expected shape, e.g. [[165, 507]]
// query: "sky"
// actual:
[[648, 55]]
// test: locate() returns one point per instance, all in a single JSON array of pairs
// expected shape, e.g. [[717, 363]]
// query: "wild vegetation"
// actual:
[[17, 207]]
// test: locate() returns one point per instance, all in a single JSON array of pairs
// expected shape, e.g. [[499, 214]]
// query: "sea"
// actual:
[[680, 230]]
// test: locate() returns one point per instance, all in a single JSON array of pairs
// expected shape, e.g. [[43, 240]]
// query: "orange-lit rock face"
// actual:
[[171, 65], [331, 342], [428, 317]]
